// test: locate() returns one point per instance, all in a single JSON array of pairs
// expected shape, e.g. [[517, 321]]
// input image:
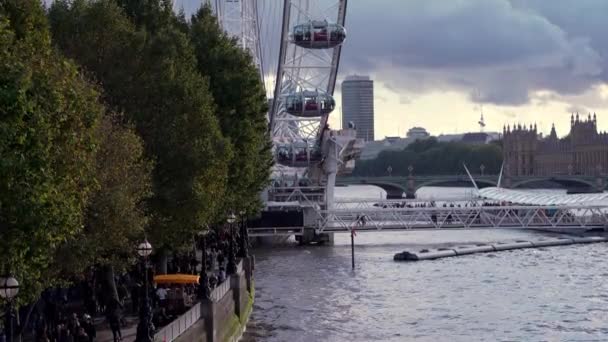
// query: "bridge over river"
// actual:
[[396, 186], [369, 216]]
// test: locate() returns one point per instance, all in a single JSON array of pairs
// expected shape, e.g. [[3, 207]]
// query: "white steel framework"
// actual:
[[452, 218], [304, 69], [239, 18], [298, 69], [471, 217]]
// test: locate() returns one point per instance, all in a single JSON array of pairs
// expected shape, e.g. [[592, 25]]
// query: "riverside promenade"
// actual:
[[221, 318]]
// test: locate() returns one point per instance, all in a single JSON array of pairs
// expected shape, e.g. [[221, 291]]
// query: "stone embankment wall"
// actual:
[[224, 317]]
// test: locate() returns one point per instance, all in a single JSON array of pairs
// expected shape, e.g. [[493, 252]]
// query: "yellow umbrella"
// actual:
[[176, 279]]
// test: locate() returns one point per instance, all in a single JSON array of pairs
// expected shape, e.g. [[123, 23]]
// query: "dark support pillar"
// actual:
[[243, 239], [144, 327], [232, 253], [203, 288], [9, 317], [352, 248], [600, 183], [410, 192]]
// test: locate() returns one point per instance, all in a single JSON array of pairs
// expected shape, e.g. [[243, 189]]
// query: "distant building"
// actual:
[[358, 105], [373, 148], [584, 151], [472, 138], [476, 138], [449, 137], [417, 133]]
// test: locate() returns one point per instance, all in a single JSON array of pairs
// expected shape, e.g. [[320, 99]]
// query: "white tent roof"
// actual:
[[523, 197]]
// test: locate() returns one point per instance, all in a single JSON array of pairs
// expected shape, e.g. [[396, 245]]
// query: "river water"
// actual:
[[311, 293]]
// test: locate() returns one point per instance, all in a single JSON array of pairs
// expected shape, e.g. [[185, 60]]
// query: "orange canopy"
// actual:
[[176, 279]]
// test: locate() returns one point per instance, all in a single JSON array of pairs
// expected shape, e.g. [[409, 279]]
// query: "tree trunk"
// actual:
[[109, 284], [162, 262], [26, 320]]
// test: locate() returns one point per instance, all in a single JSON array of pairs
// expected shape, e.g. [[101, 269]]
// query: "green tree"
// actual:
[[48, 119], [147, 69], [241, 108], [430, 157], [115, 214]]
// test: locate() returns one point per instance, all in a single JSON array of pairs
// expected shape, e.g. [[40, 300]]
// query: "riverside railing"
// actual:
[[220, 291], [177, 327], [480, 217]]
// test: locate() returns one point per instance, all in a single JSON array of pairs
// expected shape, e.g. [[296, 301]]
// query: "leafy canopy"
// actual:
[[48, 118]]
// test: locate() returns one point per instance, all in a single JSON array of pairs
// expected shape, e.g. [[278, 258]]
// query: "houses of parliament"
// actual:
[[584, 151]]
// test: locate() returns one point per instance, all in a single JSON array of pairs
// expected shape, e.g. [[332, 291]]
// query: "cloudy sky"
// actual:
[[435, 63]]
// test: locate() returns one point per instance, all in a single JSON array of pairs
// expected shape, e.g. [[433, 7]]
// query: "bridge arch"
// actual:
[[460, 182], [568, 183], [393, 190]]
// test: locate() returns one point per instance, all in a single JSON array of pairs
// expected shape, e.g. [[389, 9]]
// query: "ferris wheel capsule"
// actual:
[[318, 35], [309, 104], [298, 154]]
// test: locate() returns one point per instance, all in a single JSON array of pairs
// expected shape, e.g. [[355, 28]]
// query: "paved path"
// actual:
[[104, 333]]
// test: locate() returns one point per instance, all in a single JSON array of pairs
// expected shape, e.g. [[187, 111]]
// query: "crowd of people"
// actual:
[[75, 314], [433, 204]]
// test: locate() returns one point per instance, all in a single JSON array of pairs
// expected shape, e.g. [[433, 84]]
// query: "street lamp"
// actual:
[[231, 257], [144, 328], [203, 282], [9, 287], [244, 238]]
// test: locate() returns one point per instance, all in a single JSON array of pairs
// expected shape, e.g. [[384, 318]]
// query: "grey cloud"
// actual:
[[503, 49]]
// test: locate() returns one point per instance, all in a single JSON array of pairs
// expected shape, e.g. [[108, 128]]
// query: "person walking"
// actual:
[[113, 316], [81, 336], [89, 327]]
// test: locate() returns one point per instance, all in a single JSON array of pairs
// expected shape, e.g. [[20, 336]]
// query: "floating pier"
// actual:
[[431, 254]]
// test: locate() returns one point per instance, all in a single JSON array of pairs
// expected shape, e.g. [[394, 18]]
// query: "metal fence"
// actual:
[[171, 331], [220, 291]]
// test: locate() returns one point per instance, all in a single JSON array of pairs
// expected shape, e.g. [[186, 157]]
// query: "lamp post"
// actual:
[[244, 238], [9, 287], [144, 328], [231, 257], [203, 284]]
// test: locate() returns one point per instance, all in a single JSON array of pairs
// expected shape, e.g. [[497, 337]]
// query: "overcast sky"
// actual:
[[435, 62]]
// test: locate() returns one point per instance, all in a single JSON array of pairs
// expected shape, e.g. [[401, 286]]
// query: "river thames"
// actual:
[[311, 293]]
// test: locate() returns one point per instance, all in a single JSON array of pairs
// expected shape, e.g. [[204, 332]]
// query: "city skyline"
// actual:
[[524, 60]]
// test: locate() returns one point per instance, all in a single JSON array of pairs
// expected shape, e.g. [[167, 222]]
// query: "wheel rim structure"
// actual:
[[240, 20], [299, 69]]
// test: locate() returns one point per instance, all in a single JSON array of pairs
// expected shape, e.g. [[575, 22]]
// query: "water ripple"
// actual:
[[550, 294]]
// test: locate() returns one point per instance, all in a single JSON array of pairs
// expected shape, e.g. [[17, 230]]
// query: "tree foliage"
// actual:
[[241, 108], [79, 185], [48, 118], [430, 157], [147, 68], [115, 214]]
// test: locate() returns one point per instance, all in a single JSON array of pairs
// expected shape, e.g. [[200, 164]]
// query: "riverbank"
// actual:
[[221, 318]]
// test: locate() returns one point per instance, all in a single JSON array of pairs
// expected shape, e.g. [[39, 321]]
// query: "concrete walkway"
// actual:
[[104, 333]]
